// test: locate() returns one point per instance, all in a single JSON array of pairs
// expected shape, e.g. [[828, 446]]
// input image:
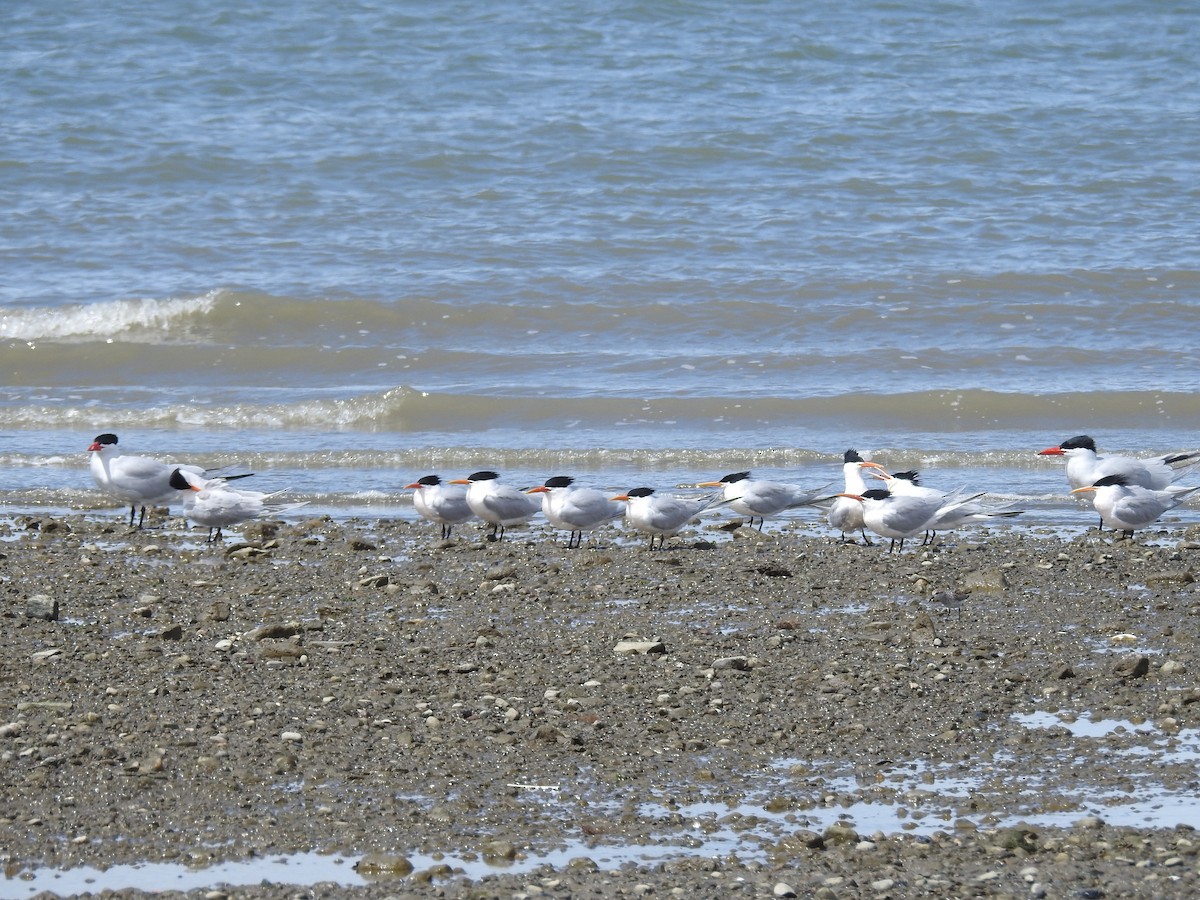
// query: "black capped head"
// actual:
[[1079, 442], [851, 456], [908, 476], [875, 494], [485, 475], [429, 480], [559, 481], [734, 477], [178, 482], [106, 439], [639, 492], [1110, 480]]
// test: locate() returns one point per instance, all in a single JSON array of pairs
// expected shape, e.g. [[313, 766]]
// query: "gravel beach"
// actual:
[[1005, 714]]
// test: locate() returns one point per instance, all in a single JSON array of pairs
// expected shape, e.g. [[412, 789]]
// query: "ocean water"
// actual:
[[347, 244]]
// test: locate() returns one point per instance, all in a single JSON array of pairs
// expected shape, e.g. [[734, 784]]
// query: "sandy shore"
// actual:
[[735, 715]]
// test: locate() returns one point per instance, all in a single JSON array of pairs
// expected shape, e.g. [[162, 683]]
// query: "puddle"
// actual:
[[301, 869], [308, 869]]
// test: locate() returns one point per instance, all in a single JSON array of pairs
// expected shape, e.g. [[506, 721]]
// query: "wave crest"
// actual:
[[110, 319]]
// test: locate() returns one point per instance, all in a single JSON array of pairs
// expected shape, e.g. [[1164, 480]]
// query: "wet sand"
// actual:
[[738, 714]]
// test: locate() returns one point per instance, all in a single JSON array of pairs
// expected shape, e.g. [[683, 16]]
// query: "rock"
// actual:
[[1132, 667], [1171, 576], [247, 551], [740, 663], [985, 580], [643, 647], [500, 571], [499, 850], [841, 833], [383, 864], [783, 889], [219, 611], [923, 629], [171, 633], [376, 581], [276, 631], [42, 606]]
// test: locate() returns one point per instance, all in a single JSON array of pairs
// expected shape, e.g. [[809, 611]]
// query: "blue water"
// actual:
[[663, 238]]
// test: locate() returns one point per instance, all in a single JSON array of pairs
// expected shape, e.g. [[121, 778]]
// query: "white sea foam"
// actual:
[[103, 320]]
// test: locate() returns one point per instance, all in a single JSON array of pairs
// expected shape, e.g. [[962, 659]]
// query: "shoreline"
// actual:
[[359, 687]]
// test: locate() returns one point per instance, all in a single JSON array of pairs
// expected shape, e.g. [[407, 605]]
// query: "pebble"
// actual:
[[643, 647], [42, 606]]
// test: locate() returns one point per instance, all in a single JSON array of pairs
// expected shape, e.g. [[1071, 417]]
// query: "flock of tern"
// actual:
[[1128, 493]]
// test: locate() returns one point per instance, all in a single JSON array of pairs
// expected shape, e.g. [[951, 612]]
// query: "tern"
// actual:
[[211, 502], [847, 515], [445, 504], [758, 499], [575, 509], [139, 480], [901, 516], [1085, 466], [1127, 507], [496, 503], [951, 515], [661, 517]]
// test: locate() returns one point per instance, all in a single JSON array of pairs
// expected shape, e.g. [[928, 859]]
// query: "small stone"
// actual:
[[740, 663], [219, 611], [172, 633], [1132, 667], [1171, 576], [783, 889], [384, 864], [292, 736], [276, 630], [42, 606], [247, 552], [500, 850], [643, 647], [500, 571], [841, 833], [985, 580]]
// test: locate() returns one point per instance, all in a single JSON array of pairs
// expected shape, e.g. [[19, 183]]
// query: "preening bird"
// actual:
[[661, 517], [901, 516], [575, 509], [445, 504], [844, 514], [1127, 507], [498, 504], [211, 502], [951, 514], [759, 499]]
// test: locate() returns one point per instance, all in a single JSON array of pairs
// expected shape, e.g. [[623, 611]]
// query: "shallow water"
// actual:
[[352, 244]]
